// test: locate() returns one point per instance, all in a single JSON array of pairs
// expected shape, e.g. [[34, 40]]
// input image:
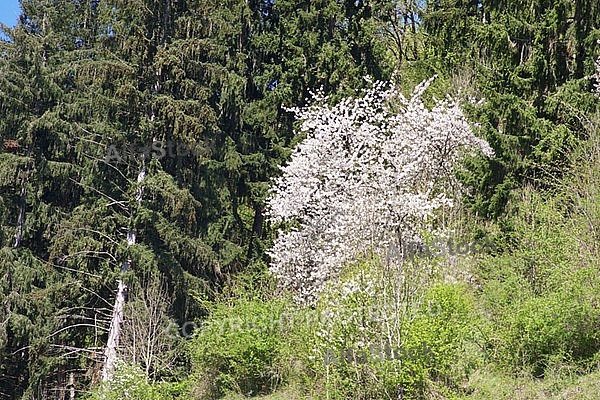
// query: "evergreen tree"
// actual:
[[529, 61]]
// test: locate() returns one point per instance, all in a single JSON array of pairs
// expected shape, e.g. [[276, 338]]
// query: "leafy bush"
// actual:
[[539, 299], [237, 346], [384, 333], [130, 383]]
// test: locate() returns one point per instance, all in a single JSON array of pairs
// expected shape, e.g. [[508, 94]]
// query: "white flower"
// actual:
[[369, 168], [596, 76]]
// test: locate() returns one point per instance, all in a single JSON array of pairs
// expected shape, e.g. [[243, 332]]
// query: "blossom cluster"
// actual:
[[372, 169], [596, 76]]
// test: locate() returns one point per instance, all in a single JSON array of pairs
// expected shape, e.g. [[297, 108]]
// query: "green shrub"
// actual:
[[538, 299], [237, 346], [130, 383], [383, 333], [536, 332]]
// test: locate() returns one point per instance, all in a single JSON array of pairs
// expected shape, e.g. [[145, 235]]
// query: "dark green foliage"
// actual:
[[529, 61]]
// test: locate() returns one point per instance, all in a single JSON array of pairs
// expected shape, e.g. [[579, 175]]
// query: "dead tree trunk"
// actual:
[[114, 332]]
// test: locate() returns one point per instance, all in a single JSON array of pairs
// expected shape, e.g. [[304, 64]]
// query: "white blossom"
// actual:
[[596, 77], [372, 169]]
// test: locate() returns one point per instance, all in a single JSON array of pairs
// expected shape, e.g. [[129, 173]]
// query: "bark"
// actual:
[[110, 353], [21, 218], [114, 332], [71, 386]]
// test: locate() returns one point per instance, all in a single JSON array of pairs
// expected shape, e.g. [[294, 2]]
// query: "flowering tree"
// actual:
[[372, 170]]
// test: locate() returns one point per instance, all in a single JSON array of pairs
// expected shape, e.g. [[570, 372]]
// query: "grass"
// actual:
[[486, 385]]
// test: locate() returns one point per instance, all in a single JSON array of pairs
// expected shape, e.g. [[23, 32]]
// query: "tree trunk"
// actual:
[[114, 332], [21, 218]]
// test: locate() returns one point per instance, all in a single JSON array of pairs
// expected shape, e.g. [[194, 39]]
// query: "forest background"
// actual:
[[188, 238]]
